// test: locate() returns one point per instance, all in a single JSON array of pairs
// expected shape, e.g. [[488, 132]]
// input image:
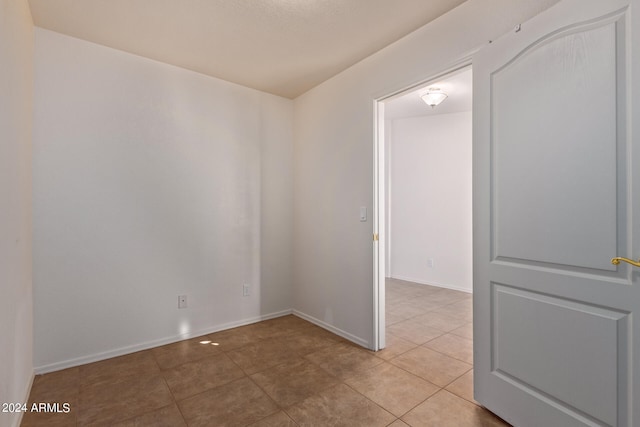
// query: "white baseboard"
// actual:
[[344, 334], [432, 283], [154, 343]]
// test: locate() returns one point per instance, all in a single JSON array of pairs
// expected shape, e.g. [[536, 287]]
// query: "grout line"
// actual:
[[151, 411], [268, 396], [173, 397], [414, 407], [445, 354], [379, 406], [457, 378]]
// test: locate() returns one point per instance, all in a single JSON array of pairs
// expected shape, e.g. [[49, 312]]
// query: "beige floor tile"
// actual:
[[238, 403], [279, 419], [304, 343], [292, 382], [405, 286], [289, 323], [56, 387], [454, 346], [439, 321], [391, 318], [204, 374], [52, 419], [463, 387], [339, 406], [465, 331], [175, 354], [263, 355], [413, 331], [344, 360], [399, 423], [460, 310], [118, 368], [109, 403], [405, 310], [395, 346], [428, 301], [49, 386], [392, 388], [235, 338], [466, 305], [169, 416], [446, 409], [318, 332], [434, 367], [267, 329], [391, 296], [446, 297]]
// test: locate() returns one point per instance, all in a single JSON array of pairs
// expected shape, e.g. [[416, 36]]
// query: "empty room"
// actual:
[[193, 218]]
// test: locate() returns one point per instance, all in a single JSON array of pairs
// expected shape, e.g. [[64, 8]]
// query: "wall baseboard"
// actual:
[[154, 343], [432, 283], [346, 335]]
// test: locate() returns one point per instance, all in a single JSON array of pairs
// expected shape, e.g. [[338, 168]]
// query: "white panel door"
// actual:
[[556, 196]]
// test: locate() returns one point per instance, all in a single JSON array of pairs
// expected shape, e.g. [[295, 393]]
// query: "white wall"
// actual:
[[431, 194], [333, 159], [16, 97], [151, 181]]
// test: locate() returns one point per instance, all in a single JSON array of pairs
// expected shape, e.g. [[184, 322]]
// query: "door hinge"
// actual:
[[375, 237]]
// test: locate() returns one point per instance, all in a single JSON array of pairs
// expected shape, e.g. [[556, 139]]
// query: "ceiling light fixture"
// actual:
[[433, 97]]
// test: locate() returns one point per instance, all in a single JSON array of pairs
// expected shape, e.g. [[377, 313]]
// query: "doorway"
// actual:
[[423, 207]]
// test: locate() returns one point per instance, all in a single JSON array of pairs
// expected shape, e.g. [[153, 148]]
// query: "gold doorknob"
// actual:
[[616, 261]]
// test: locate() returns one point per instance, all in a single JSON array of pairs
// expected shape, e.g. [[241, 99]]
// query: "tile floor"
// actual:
[[287, 372]]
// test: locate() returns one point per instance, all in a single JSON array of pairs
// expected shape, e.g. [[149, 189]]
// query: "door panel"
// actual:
[[566, 150], [551, 327], [554, 324]]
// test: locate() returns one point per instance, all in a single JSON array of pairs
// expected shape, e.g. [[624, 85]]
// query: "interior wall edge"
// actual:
[[324, 325], [16, 280], [18, 419]]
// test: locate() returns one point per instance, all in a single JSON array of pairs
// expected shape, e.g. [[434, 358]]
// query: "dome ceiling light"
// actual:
[[433, 97]]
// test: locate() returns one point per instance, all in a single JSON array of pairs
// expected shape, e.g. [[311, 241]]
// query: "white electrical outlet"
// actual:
[[430, 262], [245, 290], [182, 301]]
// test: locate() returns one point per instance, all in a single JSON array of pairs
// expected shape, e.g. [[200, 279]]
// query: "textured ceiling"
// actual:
[[284, 47]]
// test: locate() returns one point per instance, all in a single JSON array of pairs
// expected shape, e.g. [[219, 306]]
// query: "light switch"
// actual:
[[363, 213]]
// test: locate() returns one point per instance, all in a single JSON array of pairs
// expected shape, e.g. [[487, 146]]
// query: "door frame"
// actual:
[[380, 187]]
